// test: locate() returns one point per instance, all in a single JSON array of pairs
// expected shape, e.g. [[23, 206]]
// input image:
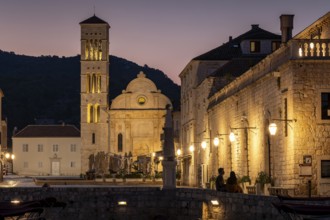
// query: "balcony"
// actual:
[[311, 49]]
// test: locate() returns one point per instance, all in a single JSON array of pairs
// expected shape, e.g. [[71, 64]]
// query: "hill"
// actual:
[[49, 87]]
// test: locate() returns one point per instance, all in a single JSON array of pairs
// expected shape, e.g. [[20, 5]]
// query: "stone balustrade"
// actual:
[[319, 48]]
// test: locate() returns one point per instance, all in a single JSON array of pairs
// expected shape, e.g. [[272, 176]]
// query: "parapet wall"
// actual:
[[147, 203]]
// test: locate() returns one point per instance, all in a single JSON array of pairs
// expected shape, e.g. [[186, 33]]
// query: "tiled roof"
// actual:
[[234, 68], [93, 20], [232, 48], [49, 131]]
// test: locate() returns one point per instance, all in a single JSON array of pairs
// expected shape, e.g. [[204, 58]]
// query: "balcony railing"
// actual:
[[311, 49]]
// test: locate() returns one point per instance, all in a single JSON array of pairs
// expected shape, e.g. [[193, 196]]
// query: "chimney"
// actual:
[[254, 26], [230, 38], [286, 27]]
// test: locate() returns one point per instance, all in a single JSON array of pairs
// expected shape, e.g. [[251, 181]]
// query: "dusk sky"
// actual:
[[165, 34]]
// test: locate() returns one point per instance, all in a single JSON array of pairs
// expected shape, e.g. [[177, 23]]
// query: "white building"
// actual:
[[47, 150]]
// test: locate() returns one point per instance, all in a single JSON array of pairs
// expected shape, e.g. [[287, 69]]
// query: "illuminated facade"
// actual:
[[94, 87], [289, 87], [137, 118], [134, 121]]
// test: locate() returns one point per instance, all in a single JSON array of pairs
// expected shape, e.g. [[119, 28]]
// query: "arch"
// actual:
[[93, 83], [88, 83], [98, 87], [96, 113], [120, 142], [90, 113]]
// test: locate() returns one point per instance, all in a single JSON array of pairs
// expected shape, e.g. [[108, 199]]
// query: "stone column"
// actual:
[[169, 162]]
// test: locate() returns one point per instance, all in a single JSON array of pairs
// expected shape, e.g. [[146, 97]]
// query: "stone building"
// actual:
[[137, 118], [290, 87], [47, 150], [197, 81], [133, 122]]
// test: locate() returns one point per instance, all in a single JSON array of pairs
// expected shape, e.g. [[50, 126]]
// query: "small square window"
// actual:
[[55, 148], [25, 164], [73, 148], [73, 164], [25, 148], [254, 46], [40, 148], [40, 165]]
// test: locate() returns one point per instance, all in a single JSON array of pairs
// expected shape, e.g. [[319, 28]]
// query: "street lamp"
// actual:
[[203, 144], [216, 141], [178, 152], [273, 127], [191, 148], [232, 137]]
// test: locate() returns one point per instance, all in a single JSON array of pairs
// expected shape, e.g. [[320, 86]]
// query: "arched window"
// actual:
[[93, 138], [93, 83], [98, 83], [97, 113], [100, 50], [86, 50], [88, 83], [90, 114], [120, 142]]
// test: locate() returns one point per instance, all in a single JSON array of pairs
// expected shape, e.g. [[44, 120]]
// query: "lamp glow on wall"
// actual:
[[191, 148], [232, 137], [178, 152], [203, 145], [272, 128], [216, 141]]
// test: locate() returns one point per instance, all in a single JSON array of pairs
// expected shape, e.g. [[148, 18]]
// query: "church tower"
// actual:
[[94, 78]]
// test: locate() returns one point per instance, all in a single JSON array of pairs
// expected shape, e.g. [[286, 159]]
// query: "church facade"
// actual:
[[133, 123]]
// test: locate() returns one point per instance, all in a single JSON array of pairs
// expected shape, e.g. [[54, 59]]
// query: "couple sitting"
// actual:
[[232, 184]]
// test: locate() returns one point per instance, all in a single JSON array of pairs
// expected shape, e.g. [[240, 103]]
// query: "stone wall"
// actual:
[[147, 203]]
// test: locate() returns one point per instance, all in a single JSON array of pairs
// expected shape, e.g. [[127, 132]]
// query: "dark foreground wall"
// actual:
[[147, 203]]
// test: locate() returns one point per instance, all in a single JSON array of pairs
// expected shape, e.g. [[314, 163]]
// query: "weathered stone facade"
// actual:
[[137, 118], [94, 88], [289, 87]]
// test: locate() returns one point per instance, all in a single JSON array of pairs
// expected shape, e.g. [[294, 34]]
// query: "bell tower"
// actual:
[[94, 79]]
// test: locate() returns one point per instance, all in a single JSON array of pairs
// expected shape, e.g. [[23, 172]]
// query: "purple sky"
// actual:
[[164, 34]]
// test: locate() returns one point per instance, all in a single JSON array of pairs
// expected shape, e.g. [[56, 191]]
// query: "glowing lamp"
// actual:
[[178, 152], [203, 145], [216, 141], [122, 203], [7, 155], [272, 128], [215, 202], [191, 148], [232, 137]]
